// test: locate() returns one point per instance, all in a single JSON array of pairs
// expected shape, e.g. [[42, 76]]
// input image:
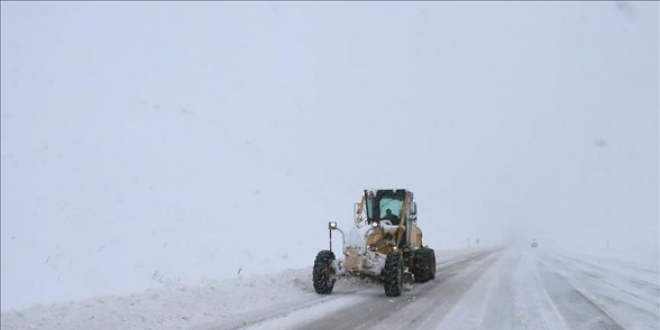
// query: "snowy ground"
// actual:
[[511, 288]]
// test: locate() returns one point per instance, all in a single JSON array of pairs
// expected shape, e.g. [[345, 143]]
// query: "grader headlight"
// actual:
[[332, 224], [375, 224]]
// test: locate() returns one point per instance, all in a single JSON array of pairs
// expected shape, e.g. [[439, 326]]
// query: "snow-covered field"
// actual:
[[511, 288]]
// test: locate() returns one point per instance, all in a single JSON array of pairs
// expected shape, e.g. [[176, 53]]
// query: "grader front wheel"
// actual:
[[322, 274], [393, 275]]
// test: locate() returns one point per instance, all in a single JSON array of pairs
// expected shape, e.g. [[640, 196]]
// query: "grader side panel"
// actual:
[[416, 237]]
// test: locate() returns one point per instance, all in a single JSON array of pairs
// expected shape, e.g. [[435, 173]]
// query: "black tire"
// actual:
[[424, 265], [432, 257], [393, 275], [322, 274]]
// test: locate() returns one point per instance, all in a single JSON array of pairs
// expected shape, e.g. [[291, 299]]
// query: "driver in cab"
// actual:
[[390, 216]]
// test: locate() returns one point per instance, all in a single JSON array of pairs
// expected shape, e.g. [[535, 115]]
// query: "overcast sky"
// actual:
[[144, 137]]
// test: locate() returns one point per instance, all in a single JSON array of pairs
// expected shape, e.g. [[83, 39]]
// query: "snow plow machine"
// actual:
[[385, 244]]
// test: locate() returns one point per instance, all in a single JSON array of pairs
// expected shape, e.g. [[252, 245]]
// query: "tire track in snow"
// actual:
[[576, 308], [477, 305], [507, 295], [596, 272], [431, 305], [612, 291], [362, 308], [378, 310], [547, 311], [284, 309]]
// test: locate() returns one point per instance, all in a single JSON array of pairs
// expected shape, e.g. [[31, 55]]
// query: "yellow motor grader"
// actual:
[[385, 243]]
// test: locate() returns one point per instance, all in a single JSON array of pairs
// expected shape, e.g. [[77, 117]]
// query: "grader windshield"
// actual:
[[379, 201]]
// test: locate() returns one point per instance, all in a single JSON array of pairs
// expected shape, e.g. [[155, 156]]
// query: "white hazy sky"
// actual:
[[182, 138]]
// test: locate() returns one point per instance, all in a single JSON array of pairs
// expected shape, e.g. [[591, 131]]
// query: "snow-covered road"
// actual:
[[501, 288]]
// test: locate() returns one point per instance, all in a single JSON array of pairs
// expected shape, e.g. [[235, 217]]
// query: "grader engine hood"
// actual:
[[355, 250], [356, 239], [360, 255], [361, 239]]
